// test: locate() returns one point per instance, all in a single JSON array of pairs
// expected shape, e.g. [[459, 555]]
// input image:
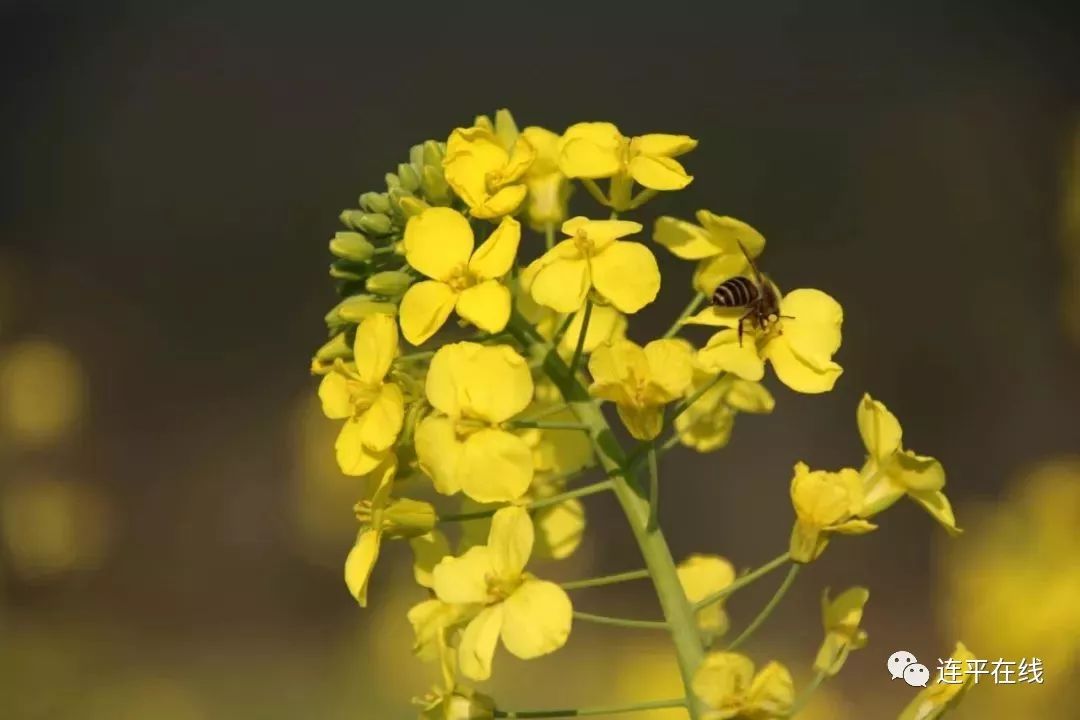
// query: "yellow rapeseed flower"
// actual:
[[799, 344], [892, 472], [450, 700], [725, 682], [606, 324], [532, 617], [549, 190], [700, 577], [707, 424], [485, 172], [714, 244], [623, 273], [372, 408], [463, 447], [825, 503], [594, 150], [439, 243], [841, 618], [641, 381], [938, 699]]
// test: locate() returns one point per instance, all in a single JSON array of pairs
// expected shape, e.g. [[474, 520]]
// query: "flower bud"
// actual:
[[389, 282], [335, 348], [357, 307], [407, 518], [375, 202], [351, 246], [375, 223], [432, 153], [408, 177], [467, 704], [344, 271], [411, 206], [392, 181], [434, 185]]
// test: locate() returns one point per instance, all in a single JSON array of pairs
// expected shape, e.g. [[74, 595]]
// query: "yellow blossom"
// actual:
[[799, 344], [825, 503], [379, 516], [623, 273], [892, 472], [725, 682], [549, 190], [706, 425], [641, 381], [486, 172], [594, 150], [700, 577], [439, 243], [715, 244], [841, 618], [433, 621], [938, 699], [463, 446], [606, 324], [532, 617], [372, 408]]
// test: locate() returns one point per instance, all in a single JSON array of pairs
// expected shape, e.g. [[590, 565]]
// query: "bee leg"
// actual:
[[741, 321]]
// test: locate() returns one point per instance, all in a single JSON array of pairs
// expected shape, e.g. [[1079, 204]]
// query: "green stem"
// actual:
[[596, 192], [621, 622], [585, 712], [606, 580], [743, 581], [585, 490], [581, 338], [545, 413], [689, 310], [557, 338], [547, 425], [807, 693], [549, 235], [768, 609], [654, 549], [654, 488]]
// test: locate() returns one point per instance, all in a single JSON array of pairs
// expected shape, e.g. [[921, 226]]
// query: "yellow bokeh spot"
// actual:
[[50, 526], [42, 392], [142, 699]]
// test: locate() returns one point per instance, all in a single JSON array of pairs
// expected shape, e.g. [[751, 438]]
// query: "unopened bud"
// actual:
[[466, 704], [371, 223], [389, 282], [335, 348], [433, 153], [375, 202], [351, 246], [344, 271], [407, 518], [434, 185], [392, 181], [411, 206], [357, 307], [410, 180]]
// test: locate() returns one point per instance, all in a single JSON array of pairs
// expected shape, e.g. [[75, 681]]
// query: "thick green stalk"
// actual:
[[654, 549]]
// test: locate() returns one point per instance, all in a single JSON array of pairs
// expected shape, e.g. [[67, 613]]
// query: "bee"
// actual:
[[759, 296]]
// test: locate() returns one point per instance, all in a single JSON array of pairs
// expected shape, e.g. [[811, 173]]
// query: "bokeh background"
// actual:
[[172, 524]]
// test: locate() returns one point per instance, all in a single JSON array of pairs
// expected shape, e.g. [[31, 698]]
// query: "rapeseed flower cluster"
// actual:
[[470, 438]]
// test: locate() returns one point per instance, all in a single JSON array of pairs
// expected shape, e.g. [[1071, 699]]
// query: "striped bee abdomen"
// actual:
[[736, 292]]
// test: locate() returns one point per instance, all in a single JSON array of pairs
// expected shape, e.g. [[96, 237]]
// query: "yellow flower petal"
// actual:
[[771, 694], [797, 374], [494, 383], [424, 309], [510, 541], [430, 619], [722, 353], [443, 385], [879, 429], [463, 580], [354, 458], [712, 271], [503, 202], [700, 577], [496, 466], [671, 369], [590, 150], [537, 620], [600, 233], [334, 396], [375, 346], [935, 503], [685, 240], [721, 681], [716, 316], [814, 332], [477, 646], [487, 305], [359, 563], [562, 285], [605, 325], [522, 156], [663, 144], [750, 397], [495, 256], [546, 144], [381, 423], [917, 473], [439, 453], [428, 550], [728, 233], [644, 423], [626, 274], [616, 366], [659, 173], [438, 241]]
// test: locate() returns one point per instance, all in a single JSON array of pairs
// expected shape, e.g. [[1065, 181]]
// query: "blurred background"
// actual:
[[172, 522]]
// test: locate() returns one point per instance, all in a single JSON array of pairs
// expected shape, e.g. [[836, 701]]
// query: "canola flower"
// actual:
[[477, 447]]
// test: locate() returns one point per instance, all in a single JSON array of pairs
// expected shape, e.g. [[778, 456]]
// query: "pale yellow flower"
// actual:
[[641, 381], [700, 577], [706, 425], [715, 244], [549, 190], [939, 698], [486, 174], [725, 682], [439, 243], [841, 618], [826, 503]]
